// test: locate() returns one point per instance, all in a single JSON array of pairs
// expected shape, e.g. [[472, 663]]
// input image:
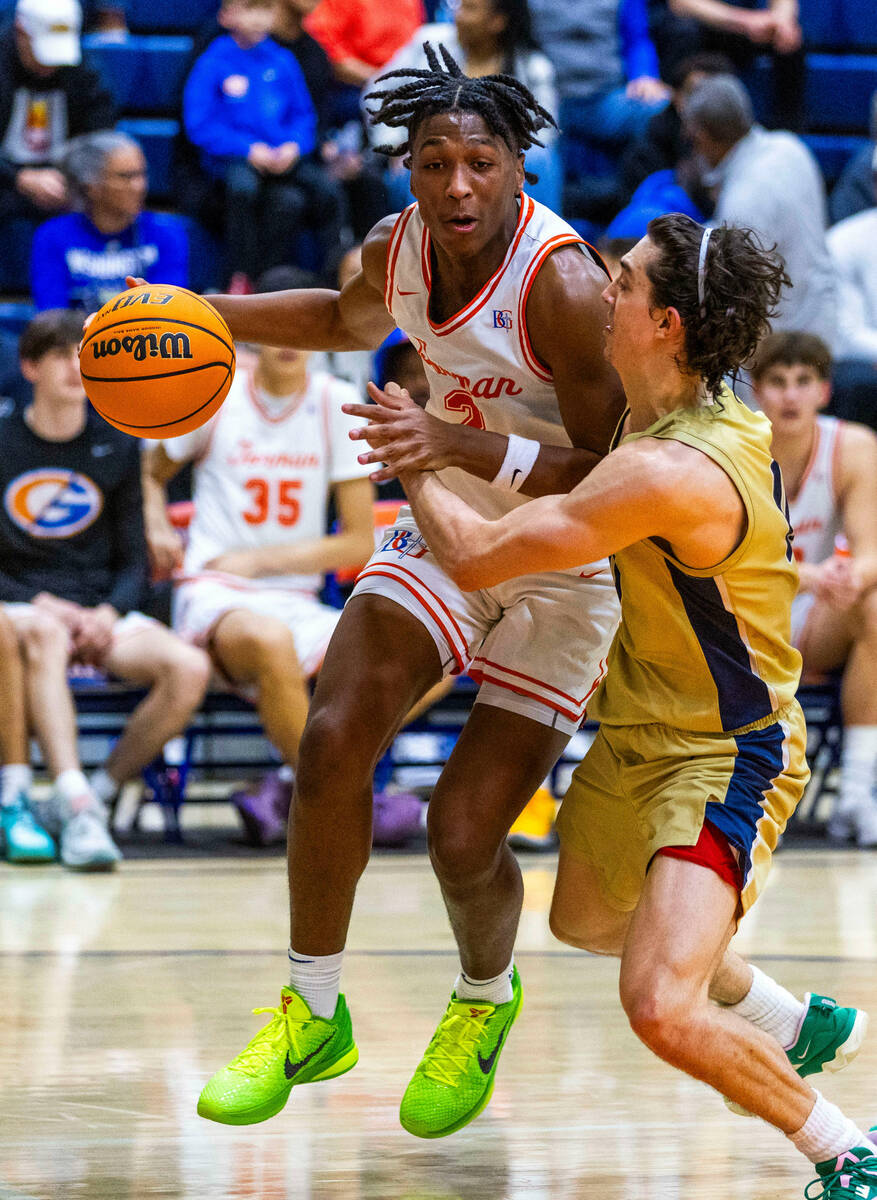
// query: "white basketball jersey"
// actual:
[[263, 474], [480, 365], [815, 513]]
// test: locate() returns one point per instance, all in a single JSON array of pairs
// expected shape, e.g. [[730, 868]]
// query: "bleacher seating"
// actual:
[[144, 74]]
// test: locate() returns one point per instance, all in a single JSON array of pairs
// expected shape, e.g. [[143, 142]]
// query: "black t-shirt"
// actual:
[[71, 519]]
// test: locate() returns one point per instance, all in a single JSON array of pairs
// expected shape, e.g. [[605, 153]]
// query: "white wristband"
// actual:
[[520, 456]]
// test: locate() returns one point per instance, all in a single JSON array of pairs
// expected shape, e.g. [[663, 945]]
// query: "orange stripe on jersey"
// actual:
[[425, 264], [530, 679], [478, 301], [393, 248], [560, 239], [448, 636]]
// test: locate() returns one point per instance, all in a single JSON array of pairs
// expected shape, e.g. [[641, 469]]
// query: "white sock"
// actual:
[[14, 779], [103, 785], [489, 991], [317, 979], [858, 767], [73, 789], [770, 1007], [827, 1133]]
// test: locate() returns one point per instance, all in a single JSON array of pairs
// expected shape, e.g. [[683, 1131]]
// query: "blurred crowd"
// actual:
[[277, 162]]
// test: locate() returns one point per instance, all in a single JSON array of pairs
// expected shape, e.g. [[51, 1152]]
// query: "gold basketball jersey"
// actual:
[[708, 650]]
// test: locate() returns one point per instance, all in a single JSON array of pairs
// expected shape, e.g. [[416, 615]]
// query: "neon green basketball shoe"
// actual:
[[294, 1047], [454, 1080]]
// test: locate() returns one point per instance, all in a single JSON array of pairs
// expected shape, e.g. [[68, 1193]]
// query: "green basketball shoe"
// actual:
[[828, 1040], [294, 1047], [454, 1080], [851, 1176]]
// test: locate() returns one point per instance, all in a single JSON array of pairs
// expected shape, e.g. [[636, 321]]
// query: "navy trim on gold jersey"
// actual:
[[742, 697]]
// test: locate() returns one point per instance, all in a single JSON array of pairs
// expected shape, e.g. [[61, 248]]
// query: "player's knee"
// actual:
[[44, 636], [460, 851], [331, 765], [655, 1006], [188, 673]]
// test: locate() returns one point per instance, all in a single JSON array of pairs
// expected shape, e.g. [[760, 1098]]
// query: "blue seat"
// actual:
[[144, 74], [156, 136], [148, 16], [822, 23], [833, 151], [14, 315], [15, 239], [837, 94], [858, 21]]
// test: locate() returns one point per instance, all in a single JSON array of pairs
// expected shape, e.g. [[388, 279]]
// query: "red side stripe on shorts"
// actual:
[[482, 677], [450, 616], [446, 633]]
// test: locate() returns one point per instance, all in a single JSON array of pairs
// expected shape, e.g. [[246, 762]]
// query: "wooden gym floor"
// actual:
[[121, 994]]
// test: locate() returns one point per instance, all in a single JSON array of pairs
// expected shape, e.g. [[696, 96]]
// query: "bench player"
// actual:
[[830, 470]]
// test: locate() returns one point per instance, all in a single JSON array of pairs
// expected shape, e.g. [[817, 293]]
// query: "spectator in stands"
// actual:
[[72, 573], [854, 190], [486, 37], [664, 145], [81, 259], [768, 182], [830, 472], [742, 30], [605, 65], [344, 151], [360, 36], [46, 97], [247, 108], [852, 244], [24, 839], [264, 468]]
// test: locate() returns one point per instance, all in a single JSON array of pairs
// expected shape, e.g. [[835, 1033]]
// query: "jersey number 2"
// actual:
[[462, 402], [287, 504]]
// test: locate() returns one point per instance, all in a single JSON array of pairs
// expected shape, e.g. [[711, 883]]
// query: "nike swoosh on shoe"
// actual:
[[291, 1069]]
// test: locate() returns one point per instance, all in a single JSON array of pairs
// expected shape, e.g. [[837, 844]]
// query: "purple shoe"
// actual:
[[265, 811], [396, 817]]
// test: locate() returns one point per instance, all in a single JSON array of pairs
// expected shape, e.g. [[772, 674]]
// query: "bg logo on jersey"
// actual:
[[49, 503]]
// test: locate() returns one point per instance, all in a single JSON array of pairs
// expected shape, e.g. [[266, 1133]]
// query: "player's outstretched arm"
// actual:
[[318, 318], [646, 489]]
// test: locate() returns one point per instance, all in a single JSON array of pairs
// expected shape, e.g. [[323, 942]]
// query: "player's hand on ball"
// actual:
[[401, 434]]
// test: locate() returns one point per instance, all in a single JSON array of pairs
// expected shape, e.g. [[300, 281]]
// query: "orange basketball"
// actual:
[[157, 361]]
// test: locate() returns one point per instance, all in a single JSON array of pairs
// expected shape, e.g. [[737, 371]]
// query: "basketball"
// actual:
[[157, 361]]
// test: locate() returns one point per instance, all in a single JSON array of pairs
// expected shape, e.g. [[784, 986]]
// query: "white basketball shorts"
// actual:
[[199, 603], [537, 644]]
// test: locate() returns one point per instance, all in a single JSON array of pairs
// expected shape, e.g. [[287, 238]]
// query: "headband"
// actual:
[[701, 269]]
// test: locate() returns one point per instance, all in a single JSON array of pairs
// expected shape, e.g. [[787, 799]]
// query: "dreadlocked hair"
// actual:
[[507, 107]]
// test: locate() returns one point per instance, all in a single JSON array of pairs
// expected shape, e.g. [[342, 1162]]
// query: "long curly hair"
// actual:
[[742, 283]]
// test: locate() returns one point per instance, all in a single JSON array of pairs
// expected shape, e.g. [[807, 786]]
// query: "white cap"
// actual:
[[53, 27]]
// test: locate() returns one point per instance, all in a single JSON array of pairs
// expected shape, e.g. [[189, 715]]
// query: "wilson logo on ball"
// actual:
[[144, 345]]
